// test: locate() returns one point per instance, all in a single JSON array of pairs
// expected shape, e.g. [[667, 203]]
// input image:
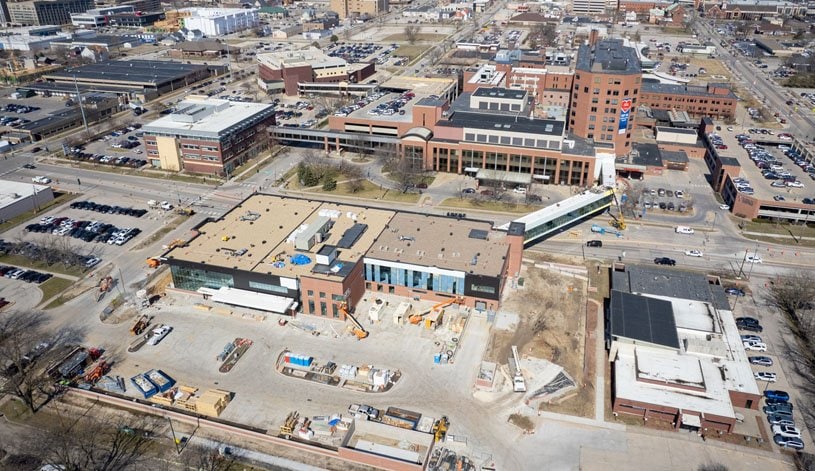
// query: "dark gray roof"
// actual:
[[674, 156], [582, 146], [143, 71], [730, 161], [693, 90], [492, 120], [609, 56], [427, 101], [500, 92], [644, 319], [642, 279], [647, 154]]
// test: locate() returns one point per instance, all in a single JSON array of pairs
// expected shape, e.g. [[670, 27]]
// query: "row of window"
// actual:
[[414, 279], [512, 141], [686, 99], [210, 158]]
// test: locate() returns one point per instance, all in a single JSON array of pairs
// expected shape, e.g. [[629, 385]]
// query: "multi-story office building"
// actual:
[[215, 22], [352, 8], [605, 94], [284, 71], [46, 12], [208, 135]]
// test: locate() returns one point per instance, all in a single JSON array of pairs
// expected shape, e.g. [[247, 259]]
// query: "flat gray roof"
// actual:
[[642, 279], [155, 73]]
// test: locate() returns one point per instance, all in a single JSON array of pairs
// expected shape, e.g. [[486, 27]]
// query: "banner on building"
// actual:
[[625, 109]]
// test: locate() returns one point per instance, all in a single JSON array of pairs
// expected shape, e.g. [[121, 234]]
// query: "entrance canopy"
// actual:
[[512, 178], [250, 299], [691, 420]]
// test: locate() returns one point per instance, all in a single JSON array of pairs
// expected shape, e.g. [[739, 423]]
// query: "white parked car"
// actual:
[[679, 194], [694, 253], [765, 376], [158, 334], [520, 190], [724, 206], [165, 206], [41, 179], [683, 230], [753, 259], [795, 184], [755, 346], [788, 431]]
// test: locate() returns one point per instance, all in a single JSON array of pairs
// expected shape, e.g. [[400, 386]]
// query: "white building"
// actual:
[[17, 198], [30, 38], [220, 21], [589, 6], [98, 16]]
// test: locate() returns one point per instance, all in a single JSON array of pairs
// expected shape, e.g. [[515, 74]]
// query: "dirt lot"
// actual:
[[554, 329]]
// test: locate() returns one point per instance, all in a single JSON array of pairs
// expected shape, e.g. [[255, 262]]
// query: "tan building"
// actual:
[[605, 94], [352, 8]]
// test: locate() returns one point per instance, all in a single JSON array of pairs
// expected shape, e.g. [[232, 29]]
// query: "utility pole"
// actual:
[[81, 108]]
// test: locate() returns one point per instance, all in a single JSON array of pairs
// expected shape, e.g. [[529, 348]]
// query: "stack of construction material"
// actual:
[[348, 371], [380, 378], [114, 384]]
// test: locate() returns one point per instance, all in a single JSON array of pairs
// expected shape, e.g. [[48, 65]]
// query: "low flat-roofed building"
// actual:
[[387, 447], [677, 352], [146, 78], [206, 135], [17, 198], [284, 71], [421, 255], [716, 100], [314, 256]]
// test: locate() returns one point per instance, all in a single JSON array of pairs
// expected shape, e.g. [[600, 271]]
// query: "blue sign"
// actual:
[[625, 109]]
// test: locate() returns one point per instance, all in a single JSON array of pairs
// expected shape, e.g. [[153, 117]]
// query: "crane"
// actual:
[[416, 318], [618, 221], [359, 331], [518, 382]]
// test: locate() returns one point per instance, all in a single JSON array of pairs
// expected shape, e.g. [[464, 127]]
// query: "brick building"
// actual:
[[352, 8], [283, 71], [605, 94], [715, 100], [208, 136]]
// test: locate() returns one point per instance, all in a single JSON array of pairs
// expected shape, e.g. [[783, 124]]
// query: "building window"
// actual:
[[483, 289], [335, 311], [191, 279], [338, 297], [310, 306], [322, 295], [323, 309], [268, 287], [310, 293]]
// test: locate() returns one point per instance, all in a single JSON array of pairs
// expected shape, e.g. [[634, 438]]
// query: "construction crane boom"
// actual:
[[416, 318], [359, 331]]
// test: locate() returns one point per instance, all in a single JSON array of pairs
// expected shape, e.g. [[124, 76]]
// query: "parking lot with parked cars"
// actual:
[[87, 231], [778, 406], [119, 148]]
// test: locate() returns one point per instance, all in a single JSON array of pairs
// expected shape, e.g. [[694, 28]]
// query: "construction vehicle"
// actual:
[[618, 222], [439, 430], [358, 330], [140, 325], [105, 284], [289, 424], [416, 318], [518, 382], [155, 262], [184, 211], [97, 371]]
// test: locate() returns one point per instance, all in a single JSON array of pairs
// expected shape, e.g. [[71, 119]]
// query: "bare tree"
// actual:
[[792, 293], [201, 458], [412, 33], [20, 334], [102, 443]]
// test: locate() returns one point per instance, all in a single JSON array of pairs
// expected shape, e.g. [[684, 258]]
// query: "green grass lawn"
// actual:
[[25, 262], [59, 198], [371, 191], [486, 205], [53, 287]]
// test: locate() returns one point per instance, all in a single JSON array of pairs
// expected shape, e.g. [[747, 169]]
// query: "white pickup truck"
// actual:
[[360, 411]]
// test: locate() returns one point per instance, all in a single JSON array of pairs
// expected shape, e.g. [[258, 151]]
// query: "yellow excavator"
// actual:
[[440, 428], [359, 331], [416, 318]]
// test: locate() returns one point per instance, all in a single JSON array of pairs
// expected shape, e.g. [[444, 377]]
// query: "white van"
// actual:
[[683, 230]]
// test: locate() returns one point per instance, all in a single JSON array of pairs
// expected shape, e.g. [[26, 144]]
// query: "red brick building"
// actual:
[[283, 71], [715, 100], [208, 136]]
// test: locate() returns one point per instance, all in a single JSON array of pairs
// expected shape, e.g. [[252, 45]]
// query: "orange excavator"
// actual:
[[359, 331], [416, 318]]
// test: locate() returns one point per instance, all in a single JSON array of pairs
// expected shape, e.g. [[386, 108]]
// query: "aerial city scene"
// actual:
[[407, 235]]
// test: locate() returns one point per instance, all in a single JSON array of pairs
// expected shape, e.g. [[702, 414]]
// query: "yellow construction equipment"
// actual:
[[416, 318], [359, 331], [439, 430], [289, 424], [617, 222], [154, 262], [140, 325]]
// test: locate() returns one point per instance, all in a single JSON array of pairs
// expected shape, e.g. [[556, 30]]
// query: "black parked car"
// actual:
[[665, 261], [594, 243]]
